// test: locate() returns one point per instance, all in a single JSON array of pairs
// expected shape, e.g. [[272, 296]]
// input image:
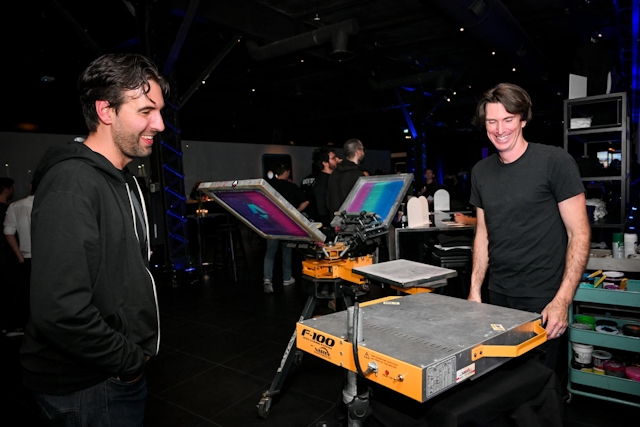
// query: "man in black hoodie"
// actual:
[[345, 176], [94, 316]]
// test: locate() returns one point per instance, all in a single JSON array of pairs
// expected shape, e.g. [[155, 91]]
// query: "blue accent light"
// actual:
[[176, 173], [177, 237], [170, 148], [172, 127], [190, 269], [176, 216]]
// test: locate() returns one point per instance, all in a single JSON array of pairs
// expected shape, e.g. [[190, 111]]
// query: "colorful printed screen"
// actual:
[[378, 197], [262, 213]]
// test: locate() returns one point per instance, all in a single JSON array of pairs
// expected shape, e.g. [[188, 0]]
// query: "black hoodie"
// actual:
[[94, 312]]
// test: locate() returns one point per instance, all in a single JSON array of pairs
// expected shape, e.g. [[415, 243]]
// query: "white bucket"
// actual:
[[582, 352]]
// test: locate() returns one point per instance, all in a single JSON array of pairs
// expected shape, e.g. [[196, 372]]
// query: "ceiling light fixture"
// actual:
[[316, 18]]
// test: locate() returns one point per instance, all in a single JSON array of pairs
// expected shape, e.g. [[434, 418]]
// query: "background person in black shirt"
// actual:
[[294, 195]]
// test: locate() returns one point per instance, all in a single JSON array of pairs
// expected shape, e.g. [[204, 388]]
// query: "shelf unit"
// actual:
[[609, 130], [606, 299]]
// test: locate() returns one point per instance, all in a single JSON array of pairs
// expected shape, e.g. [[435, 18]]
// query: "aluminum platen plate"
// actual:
[[405, 274], [424, 328]]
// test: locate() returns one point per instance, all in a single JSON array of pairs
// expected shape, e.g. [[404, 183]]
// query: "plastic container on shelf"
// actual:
[[582, 353], [632, 372], [630, 244], [584, 367], [606, 329], [587, 320], [613, 278], [617, 246], [631, 330], [599, 357], [582, 326], [614, 369], [607, 322]]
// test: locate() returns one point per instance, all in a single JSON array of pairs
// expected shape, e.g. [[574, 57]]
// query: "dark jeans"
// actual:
[[18, 311], [535, 305], [111, 403]]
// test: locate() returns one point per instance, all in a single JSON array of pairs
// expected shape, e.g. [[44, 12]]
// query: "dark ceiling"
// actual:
[[428, 60]]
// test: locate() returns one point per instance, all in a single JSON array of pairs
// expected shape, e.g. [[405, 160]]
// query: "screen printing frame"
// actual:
[[358, 196], [273, 203]]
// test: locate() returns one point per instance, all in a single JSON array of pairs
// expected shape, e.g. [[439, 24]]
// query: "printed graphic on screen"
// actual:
[[377, 197], [262, 213]]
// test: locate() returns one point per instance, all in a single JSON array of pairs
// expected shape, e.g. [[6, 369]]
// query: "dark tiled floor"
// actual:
[[221, 344]]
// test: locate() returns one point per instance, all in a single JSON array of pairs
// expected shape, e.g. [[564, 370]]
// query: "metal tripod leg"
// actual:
[[287, 359]]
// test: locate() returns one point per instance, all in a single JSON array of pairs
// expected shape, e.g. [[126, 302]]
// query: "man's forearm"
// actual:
[[480, 263], [575, 263], [13, 243]]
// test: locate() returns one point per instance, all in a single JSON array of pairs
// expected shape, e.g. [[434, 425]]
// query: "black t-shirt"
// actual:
[[430, 189], [307, 186], [291, 192], [320, 194], [527, 238]]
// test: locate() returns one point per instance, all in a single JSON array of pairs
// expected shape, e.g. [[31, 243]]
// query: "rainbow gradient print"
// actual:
[[377, 197]]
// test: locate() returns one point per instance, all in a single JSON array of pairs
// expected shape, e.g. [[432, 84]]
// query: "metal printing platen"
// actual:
[[263, 209], [405, 274], [381, 194], [422, 344]]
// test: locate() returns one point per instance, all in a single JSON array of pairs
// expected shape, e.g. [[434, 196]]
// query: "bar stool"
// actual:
[[228, 244]]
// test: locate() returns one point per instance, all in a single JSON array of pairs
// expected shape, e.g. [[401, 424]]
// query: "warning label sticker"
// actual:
[[466, 372], [382, 361], [497, 327], [441, 376]]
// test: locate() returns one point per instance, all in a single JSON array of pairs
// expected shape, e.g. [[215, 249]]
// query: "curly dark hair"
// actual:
[[320, 155], [108, 77]]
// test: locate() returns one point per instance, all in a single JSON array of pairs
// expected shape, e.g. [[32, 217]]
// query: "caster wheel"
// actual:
[[264, 406]]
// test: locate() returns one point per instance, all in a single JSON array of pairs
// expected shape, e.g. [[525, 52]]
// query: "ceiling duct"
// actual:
[[336, 33]]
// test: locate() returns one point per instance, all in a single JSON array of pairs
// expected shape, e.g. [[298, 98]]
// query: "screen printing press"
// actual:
[[418, 345]]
